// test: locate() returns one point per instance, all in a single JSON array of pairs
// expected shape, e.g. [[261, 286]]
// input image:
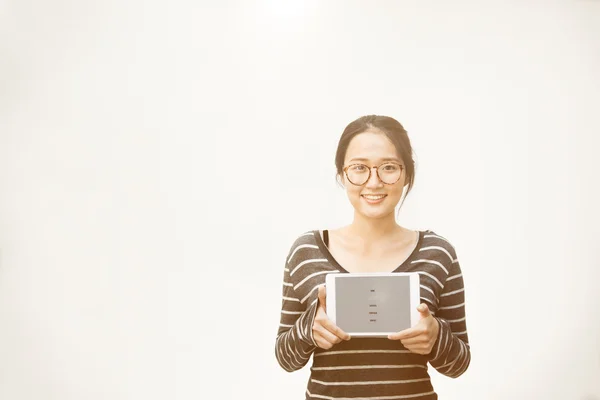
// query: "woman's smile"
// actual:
[[374, 199]]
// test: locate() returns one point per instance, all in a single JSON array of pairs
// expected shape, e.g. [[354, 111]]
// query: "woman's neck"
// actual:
[[371, 230]]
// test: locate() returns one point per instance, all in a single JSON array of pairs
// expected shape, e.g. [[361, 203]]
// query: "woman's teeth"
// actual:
[[370, 197]]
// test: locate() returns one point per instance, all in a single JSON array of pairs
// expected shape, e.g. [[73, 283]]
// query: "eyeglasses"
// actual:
[[359, 174]]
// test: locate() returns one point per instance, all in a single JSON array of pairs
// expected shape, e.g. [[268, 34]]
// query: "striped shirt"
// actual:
[[372, 368]]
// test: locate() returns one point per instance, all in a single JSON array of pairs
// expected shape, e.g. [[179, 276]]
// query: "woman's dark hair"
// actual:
[[388, 126]]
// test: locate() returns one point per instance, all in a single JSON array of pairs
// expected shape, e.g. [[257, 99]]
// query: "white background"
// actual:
[[157, 160]]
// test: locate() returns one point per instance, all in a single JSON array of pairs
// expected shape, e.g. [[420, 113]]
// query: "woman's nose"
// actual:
[[374, 178]]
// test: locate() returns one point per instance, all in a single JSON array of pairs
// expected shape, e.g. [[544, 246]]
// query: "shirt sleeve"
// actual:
[[451, 354], [295, 342]]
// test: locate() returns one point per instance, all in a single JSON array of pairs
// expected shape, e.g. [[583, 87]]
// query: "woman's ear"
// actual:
[[340, 181]]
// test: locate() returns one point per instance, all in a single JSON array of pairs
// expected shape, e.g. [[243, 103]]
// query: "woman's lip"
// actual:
[[377, 200]]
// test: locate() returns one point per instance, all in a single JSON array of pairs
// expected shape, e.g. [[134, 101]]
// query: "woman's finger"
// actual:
[[405, 334], [327, 335], [416, 349], [420, 348], [415, 341], [334, 329], [322, 343]]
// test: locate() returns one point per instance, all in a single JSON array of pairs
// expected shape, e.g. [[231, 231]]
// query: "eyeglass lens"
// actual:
[[388, 173]]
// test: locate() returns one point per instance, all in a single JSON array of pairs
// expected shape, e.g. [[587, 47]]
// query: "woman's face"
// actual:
[[373, 149]]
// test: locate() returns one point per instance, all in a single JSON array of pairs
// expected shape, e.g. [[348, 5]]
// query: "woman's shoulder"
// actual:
[[305, 245], [305, 239], [433, 239], [306, 236]]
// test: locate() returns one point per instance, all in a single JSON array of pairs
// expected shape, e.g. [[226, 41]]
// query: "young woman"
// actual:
[[374, 164]]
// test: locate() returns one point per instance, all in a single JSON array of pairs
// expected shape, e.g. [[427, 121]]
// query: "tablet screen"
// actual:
[[372, 304]]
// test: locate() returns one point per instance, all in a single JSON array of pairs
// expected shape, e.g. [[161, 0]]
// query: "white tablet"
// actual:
[[373, 304]]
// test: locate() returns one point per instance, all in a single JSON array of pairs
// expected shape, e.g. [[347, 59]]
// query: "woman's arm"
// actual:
[[295, 342], [451, 354]]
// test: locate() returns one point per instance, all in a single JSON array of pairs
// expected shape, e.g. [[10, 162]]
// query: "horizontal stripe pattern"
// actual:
[[372, 368]]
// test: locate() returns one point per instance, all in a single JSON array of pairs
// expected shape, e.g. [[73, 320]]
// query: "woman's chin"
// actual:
[[376, 214]]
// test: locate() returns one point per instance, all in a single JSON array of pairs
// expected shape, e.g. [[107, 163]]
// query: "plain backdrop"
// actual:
[[158, 159]]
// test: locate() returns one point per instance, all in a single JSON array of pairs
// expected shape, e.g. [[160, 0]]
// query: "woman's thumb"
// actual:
[[423, 310], [322, 295]]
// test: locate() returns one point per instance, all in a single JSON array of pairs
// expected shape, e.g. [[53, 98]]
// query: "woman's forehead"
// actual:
[[371, 146]]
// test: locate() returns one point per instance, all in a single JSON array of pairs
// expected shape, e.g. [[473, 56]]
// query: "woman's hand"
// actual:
[[325, 332], [420, 338]]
